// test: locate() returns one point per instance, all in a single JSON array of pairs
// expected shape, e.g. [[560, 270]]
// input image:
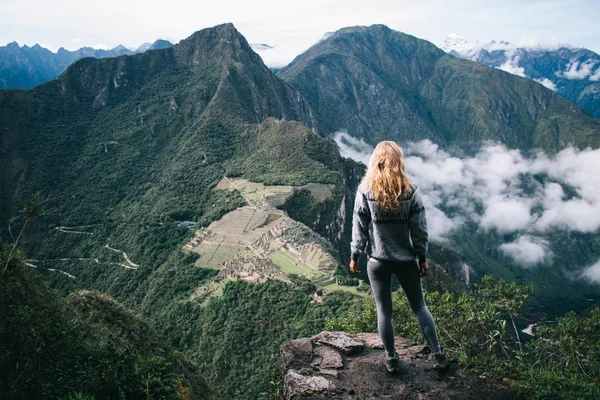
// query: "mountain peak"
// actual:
[[143, 47], [221, 41], [119, 48], [371, 44], [454, 42], [224, 31], [160, 44], [375, 28]]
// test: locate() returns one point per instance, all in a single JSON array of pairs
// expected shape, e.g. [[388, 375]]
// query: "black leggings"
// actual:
[[380, 274]]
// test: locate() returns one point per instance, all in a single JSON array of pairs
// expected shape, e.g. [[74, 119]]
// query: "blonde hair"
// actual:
[[386, 175]]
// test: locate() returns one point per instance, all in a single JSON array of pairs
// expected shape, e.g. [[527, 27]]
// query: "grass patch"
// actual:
[[334, 287], [213, 256], [291, 264]]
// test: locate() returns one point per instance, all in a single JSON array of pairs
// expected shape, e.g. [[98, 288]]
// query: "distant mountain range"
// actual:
[[25, 67], [572, 72]]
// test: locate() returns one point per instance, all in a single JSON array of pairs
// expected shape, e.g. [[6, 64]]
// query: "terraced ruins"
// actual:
[[260, 242]]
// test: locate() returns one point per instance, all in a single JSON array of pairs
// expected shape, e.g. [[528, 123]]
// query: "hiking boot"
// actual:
[[392, 364], [440, 362]]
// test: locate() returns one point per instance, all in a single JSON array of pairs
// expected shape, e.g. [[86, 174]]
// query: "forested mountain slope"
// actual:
[[377, 83], [127, 148]]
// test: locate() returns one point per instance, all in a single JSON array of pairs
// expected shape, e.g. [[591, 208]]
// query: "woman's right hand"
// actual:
[[424, 268], [354, 267]]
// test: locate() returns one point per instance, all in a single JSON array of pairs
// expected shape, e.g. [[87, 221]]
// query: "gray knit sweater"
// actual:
[[398, 235]]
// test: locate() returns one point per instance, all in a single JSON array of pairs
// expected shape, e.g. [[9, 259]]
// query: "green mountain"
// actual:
[[377, 84], [133, 127], [127, 149]]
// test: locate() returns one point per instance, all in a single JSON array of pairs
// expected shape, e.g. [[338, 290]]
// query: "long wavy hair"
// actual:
[[386, 175]]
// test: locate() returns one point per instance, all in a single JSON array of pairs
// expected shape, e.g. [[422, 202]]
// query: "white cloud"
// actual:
[[351, 147], [511, 65], [438, 223], [548, 83], [497, 188], [578, 169], [596, 76], [592, 273], [578, 70], [278, 56], [527, 250], [507, 215], [472, 50], [532, 43]]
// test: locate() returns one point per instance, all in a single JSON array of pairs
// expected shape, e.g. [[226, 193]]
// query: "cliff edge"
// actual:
[[336, 365]]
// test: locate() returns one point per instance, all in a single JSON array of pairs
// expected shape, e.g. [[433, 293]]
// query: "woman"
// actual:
[[389, 219]]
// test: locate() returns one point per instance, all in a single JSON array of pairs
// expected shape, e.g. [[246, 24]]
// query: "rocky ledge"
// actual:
[[336, 365]]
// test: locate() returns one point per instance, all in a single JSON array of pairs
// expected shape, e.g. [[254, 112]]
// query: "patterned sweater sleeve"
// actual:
[[418, 226], [361, 217]]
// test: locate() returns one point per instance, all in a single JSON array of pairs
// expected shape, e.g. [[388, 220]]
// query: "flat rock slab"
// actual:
[[295, 384], [343, 366], [340, 341], [328, 358]]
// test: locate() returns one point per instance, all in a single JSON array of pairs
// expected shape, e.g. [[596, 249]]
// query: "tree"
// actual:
[[34, 207]]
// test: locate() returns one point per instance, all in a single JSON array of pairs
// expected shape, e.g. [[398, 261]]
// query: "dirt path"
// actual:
[[51, 269], [131, 265], [235, 186], [106, 143], [67, 229], [64, 259]]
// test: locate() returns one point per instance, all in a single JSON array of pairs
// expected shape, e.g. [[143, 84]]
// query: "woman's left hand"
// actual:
[[354, 267]]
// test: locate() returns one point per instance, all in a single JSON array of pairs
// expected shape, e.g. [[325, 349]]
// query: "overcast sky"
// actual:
[[293, 26]]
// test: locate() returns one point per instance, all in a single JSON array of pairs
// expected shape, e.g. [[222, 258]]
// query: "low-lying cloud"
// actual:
[[579, 70], [527, 250], [276, 56], [548, 83], [471, 49], [511, 65], [501, 190], [592, 273]]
